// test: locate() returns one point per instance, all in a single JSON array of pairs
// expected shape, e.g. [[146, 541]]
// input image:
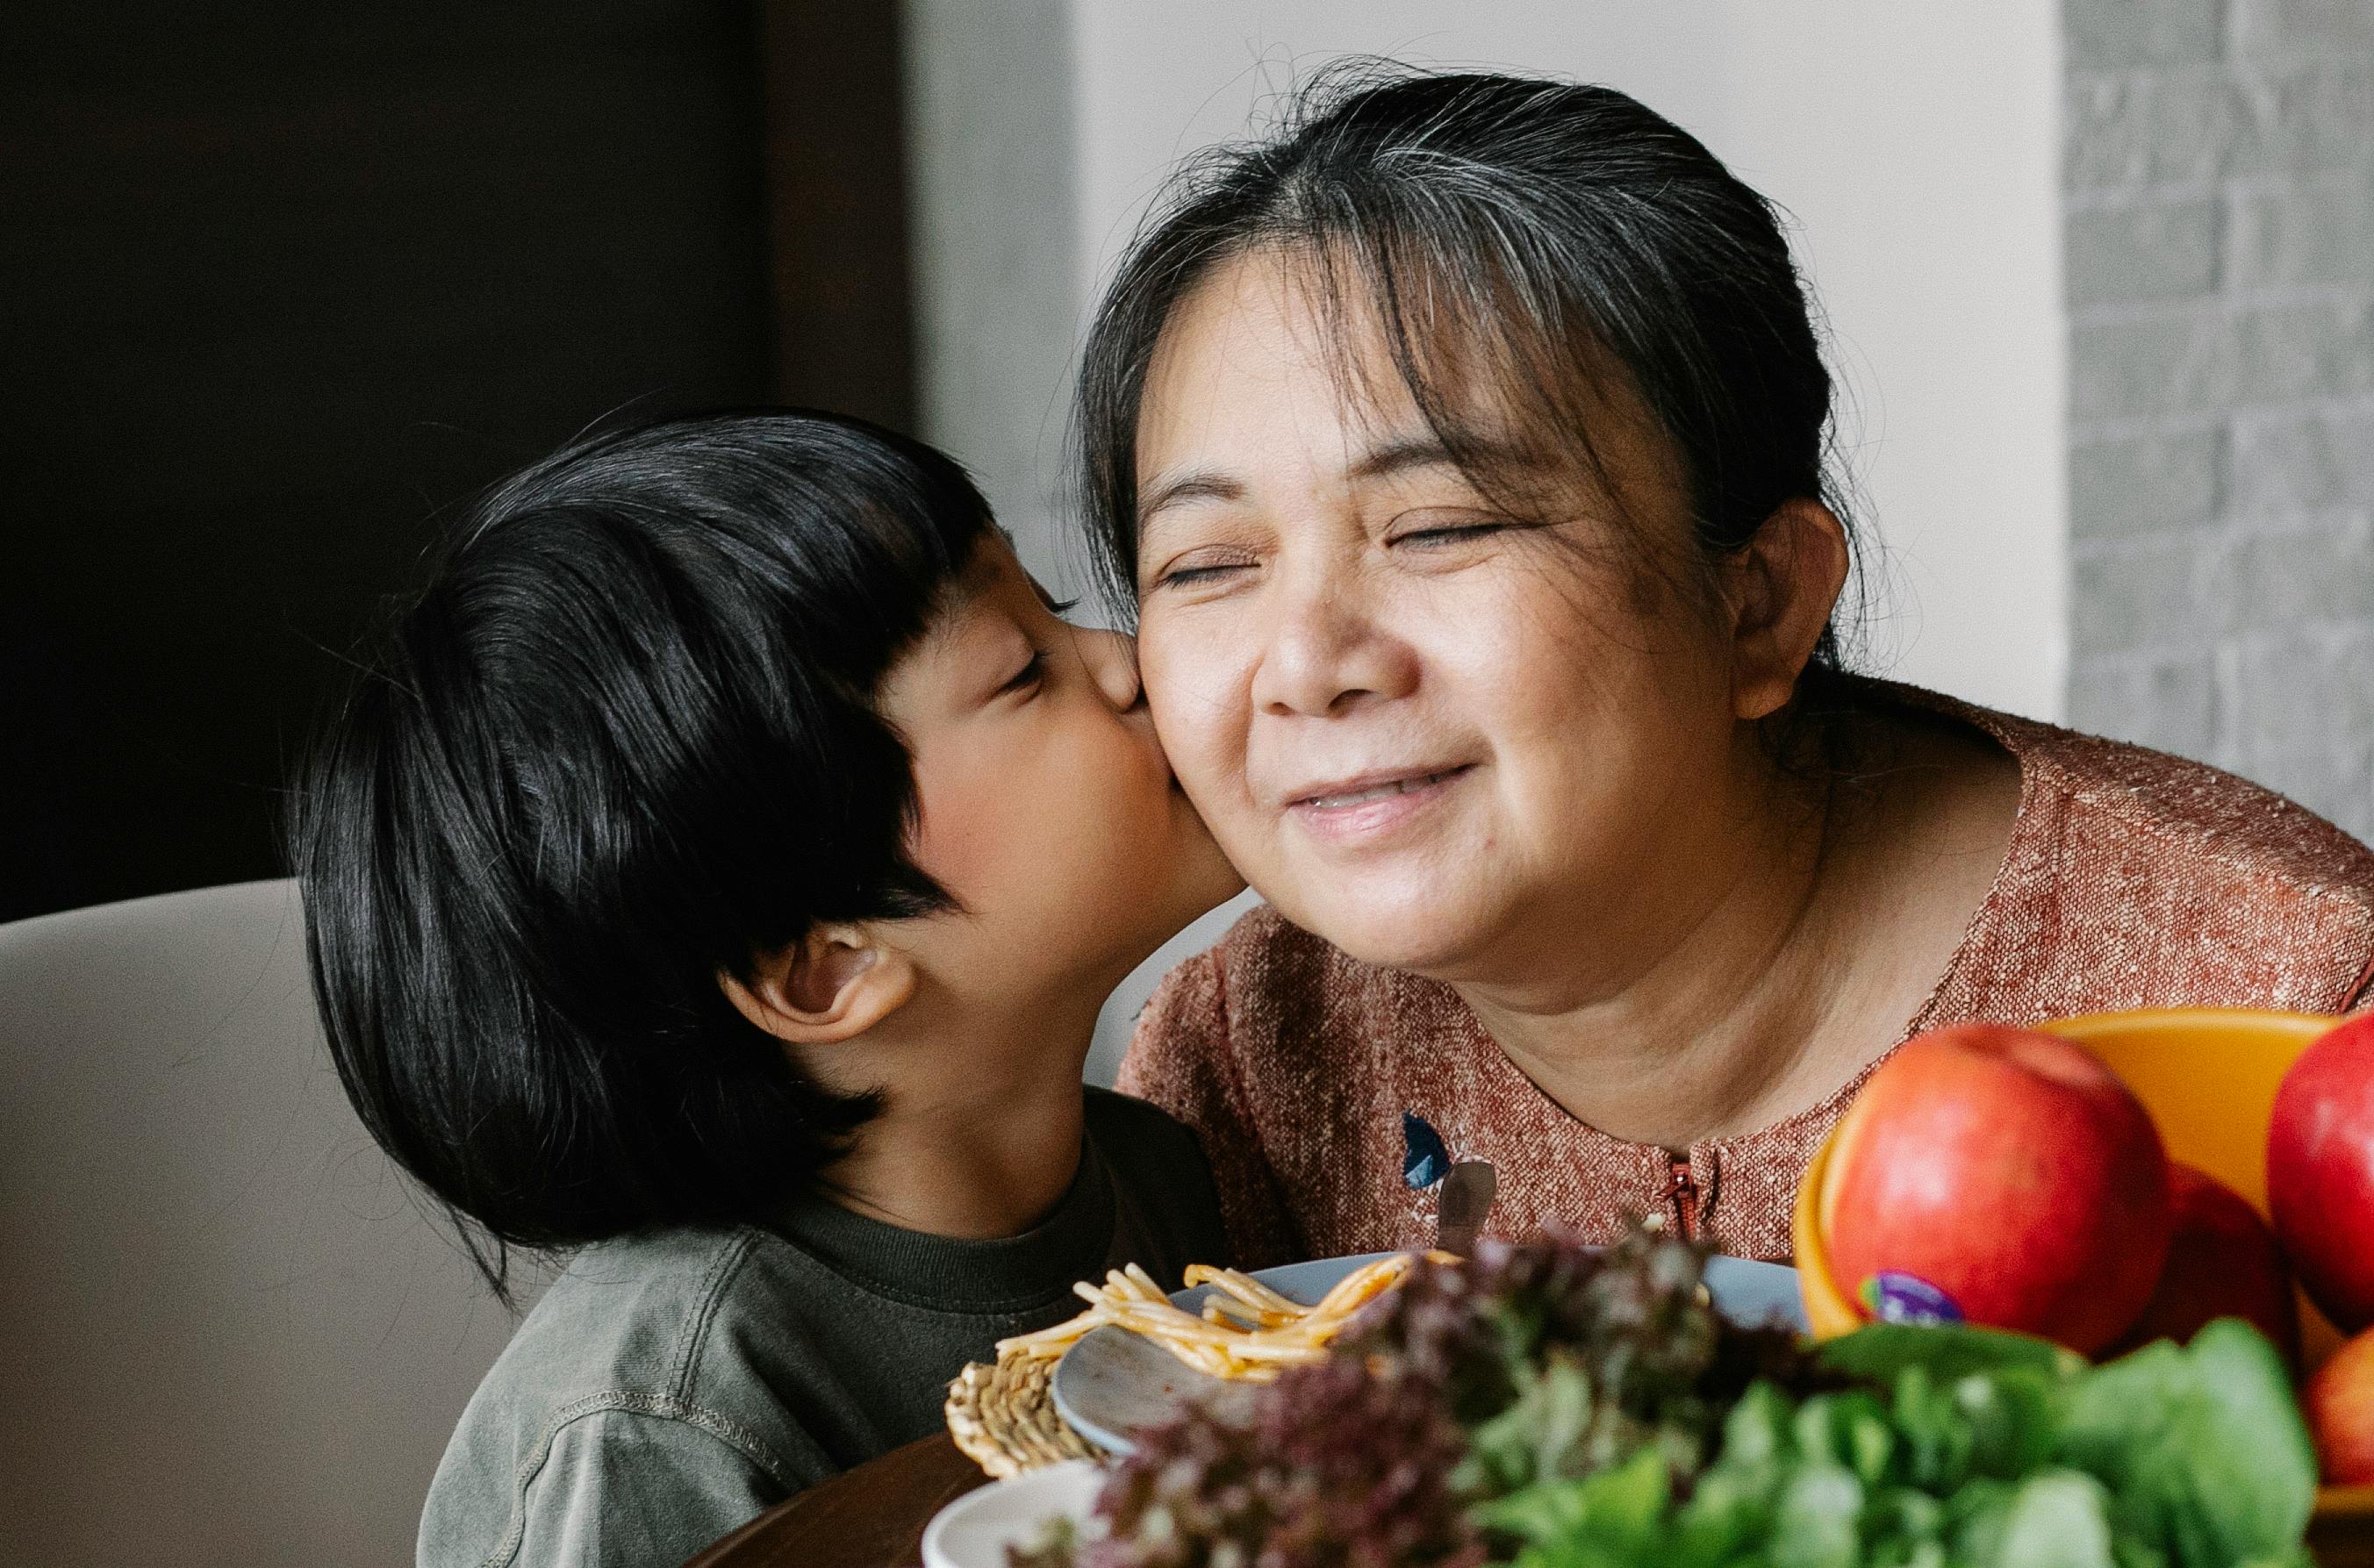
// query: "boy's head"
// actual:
[[680, 754], [1044, 810]]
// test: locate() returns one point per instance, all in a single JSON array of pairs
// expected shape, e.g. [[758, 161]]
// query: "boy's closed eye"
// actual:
[[1027, 678], [1030, 671]]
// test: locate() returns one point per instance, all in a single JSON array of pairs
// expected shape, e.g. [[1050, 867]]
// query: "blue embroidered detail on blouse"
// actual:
[[1425, 1159]]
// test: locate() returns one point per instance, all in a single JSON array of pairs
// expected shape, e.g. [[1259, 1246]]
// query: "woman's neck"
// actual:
[[1839, 906], [980, 1131], [1707, 1022]]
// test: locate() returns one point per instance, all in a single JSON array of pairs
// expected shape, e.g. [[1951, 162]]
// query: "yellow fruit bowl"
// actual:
[[2208, 1076]]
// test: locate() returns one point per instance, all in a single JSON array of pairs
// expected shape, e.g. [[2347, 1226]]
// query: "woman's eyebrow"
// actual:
[[1400, 455], [1430, 452], [1199, 485]]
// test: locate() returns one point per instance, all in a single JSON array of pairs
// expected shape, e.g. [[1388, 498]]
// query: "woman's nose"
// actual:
[[1327, 652], [1111, 661]]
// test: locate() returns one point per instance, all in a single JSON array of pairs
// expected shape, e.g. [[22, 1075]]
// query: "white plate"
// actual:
[[1113, 1382], [975, 1530]]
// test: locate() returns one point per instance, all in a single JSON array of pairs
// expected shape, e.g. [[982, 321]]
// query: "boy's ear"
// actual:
[[832, 985]]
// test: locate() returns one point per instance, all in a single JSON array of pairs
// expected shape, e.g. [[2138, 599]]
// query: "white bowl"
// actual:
[[975, 1530]]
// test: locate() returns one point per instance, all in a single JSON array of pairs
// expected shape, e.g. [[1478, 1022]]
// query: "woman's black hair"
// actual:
[[625, 740], [1561, 243]]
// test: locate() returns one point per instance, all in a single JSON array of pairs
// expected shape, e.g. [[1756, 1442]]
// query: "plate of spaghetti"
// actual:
[[1131, 1360]]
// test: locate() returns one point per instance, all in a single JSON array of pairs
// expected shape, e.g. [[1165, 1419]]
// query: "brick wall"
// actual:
[[2219, 189]]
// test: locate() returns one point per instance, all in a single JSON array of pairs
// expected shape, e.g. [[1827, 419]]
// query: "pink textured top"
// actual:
[[1320, 1085]]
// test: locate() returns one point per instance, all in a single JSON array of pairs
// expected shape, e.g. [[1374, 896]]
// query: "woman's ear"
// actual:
[[1784, 584], [832, 985]]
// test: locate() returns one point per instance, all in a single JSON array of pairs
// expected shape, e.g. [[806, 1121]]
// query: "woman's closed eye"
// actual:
[[1180, 577], [1438, 527], [1194, 571]]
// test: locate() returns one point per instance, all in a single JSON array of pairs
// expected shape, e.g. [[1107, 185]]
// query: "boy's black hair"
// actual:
[[626, 740]]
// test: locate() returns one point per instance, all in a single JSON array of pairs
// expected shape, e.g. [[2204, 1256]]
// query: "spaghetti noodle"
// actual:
[[1246, 1331]]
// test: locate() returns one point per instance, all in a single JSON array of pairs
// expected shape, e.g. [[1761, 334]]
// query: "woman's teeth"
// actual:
[[1377, 792]]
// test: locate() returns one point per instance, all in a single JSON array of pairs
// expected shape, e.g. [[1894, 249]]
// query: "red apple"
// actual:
[[2003, 1178], [2339, 1404], [2222, 1263], [2320, 1171]]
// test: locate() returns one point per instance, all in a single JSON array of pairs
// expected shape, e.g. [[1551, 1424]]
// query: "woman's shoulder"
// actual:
[[1261, 940], [1274, 1016], [1289, 1058], [2256, 897], [1269, 979], [2215, 818]]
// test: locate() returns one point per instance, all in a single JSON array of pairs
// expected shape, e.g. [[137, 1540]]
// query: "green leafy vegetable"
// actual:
[[1551, 1408], [2203, 1447], [1977, 1448], [1880, 1353]]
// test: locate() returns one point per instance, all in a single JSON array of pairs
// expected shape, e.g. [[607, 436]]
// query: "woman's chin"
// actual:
[[1422, 933]]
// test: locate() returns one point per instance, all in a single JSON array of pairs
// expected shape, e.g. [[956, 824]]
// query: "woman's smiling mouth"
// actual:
[[1368, 804]]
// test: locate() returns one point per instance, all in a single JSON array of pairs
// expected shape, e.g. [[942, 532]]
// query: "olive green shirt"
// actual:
[[670, 1386]]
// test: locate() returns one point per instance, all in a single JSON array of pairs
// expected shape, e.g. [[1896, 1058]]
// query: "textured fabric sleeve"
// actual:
[[2361, 995], [1181, 1060], [618, 1487]]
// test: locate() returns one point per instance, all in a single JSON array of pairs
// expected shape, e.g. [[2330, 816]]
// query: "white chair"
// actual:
[[227, 1332]]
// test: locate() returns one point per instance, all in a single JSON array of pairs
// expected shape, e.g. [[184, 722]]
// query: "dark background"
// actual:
[[281, 284]]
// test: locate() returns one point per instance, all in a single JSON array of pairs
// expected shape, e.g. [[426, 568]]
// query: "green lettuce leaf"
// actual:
[[1881, 1352], [2202, 1447]]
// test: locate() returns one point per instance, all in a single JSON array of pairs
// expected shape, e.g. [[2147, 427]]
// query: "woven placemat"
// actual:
[[1004, 1419]]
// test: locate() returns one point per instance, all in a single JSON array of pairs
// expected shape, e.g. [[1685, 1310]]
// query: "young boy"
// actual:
[[718, 877]]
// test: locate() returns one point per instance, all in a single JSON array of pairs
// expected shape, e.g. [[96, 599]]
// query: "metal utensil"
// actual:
[[1467, 1194]]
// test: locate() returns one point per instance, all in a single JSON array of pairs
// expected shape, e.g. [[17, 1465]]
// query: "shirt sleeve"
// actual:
[[2361, 993], [630, 1489], [1179, 1058]]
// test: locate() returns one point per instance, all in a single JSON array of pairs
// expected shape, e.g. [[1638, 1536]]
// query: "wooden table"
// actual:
[[872, 1516]]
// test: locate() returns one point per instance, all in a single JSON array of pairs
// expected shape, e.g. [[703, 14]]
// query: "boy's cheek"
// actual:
[[988, 837], [956, 834], [1074, 815]]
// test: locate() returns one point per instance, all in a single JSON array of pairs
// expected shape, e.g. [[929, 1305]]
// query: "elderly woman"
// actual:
[[1463, 451]]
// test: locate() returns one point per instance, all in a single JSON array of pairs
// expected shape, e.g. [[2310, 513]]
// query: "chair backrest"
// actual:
[[229, 1333]]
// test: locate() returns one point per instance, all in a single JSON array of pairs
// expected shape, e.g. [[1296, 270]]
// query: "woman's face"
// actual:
[[1444, 737]]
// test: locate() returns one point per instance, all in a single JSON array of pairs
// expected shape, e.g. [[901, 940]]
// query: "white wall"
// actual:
[[1000, 279], [1916, 145]]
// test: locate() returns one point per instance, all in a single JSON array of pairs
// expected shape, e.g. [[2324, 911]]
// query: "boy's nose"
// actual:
[[1111, 659]]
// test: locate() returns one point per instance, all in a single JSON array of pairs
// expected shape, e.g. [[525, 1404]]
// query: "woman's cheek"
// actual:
[[1187, 687]]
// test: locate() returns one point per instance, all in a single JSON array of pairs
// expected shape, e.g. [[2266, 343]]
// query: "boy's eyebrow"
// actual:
[[955, 596]]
